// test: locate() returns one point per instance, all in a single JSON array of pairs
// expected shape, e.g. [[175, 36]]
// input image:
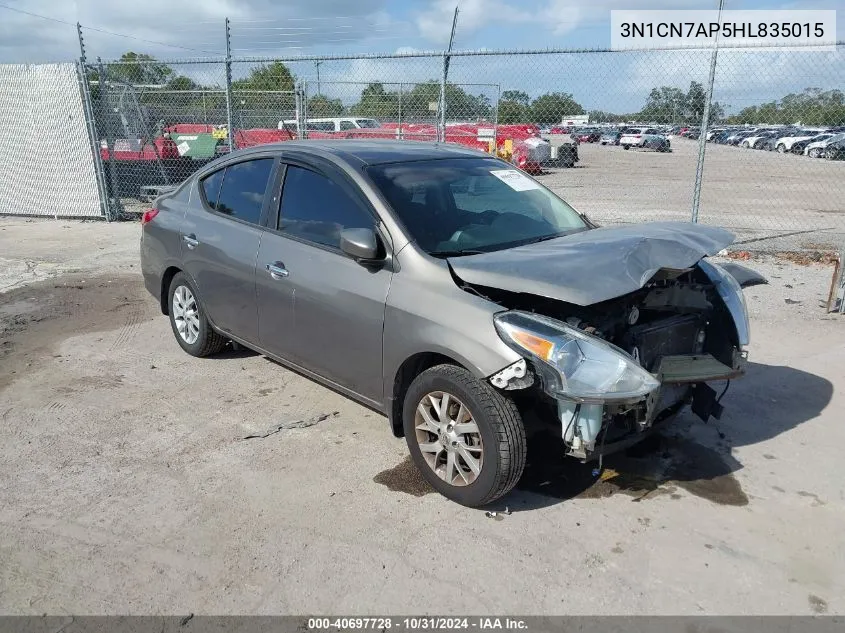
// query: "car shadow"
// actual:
[[684, 457]]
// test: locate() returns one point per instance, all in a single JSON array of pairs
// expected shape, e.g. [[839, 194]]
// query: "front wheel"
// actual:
[[781, 148], [814, 153], [626, 147], [466, 438]]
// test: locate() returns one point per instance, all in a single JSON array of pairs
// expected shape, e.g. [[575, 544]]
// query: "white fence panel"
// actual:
[[46, 162]]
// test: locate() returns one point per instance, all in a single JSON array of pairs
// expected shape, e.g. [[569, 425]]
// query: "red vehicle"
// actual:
[[560, 130], [588, 136]]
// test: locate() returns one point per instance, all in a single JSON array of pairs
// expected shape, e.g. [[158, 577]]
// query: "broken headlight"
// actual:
[[574, 364]]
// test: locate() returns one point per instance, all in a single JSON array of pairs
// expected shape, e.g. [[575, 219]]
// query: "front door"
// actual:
[[317, 306]]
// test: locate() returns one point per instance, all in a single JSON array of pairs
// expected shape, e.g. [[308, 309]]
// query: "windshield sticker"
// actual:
[[515, 179]]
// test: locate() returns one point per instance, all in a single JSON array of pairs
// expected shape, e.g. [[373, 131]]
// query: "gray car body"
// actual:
[[357, 327]]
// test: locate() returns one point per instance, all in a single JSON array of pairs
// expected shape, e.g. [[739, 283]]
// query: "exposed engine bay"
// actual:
[[677, 327]]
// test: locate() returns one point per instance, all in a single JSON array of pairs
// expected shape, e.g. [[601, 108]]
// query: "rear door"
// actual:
[[220, 238], [325, 311]]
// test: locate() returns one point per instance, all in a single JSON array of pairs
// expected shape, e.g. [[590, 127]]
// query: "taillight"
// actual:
[[148, 216], [638, 135]]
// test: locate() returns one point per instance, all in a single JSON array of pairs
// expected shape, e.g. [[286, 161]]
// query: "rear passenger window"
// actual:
[[211, 187], [242, 193], [316, 209], [347, 125]]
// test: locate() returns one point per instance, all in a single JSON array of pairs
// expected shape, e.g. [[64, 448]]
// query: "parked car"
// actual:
[[560, 130], [835, 151], [713, 132], [755, 140], [799, 146], [588, 135], [784, 143], [817, 149], [736, 136], [333, 124], [644, 137], [451, 292], [611, 136], [720, 137]]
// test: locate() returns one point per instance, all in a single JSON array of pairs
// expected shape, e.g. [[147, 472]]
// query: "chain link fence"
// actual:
[[594, 126]]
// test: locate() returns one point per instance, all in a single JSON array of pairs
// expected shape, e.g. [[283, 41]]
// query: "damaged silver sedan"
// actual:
[[452, 293]]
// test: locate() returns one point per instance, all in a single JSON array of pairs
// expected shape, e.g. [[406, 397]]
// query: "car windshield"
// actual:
[[468, 205]]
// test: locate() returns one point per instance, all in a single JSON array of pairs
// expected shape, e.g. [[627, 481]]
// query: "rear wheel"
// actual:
[[626, 147], [466, 438], [781, 148], [190, 325], [815, 152]]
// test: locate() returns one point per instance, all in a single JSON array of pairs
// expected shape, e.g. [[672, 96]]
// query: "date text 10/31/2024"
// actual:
[[416, 623]]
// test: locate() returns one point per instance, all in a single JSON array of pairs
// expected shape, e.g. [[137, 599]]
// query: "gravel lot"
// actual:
[[126, 485], [793, 202]]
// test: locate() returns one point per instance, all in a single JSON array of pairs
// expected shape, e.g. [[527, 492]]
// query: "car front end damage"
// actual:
[[605, 375]]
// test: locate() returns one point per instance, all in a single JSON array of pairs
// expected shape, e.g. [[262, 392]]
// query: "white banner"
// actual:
[[809, 30]]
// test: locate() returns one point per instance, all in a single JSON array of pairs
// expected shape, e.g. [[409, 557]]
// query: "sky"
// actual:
[[171, 29]]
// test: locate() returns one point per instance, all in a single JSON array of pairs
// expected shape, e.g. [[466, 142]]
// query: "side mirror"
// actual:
[[362, 244]]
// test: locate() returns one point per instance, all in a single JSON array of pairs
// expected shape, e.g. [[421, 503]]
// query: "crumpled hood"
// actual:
[[593, 266]]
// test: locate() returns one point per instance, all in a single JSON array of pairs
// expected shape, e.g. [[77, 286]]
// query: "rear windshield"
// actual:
[[464, 206]]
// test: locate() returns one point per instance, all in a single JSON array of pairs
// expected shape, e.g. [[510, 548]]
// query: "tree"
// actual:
[[181, 82], [517, 96], [550, 108], [376, 102], [138, 68], [322, 106], [664, 105], [813, 106], [600, 116], [275, 76], [696, 100]]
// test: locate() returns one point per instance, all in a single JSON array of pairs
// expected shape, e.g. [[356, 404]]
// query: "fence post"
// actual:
[[441, 136], [496, 120], [401, 135], [82, 58], [441, 123], [93, 138], [230, 135], [705, 121], [115, 209]]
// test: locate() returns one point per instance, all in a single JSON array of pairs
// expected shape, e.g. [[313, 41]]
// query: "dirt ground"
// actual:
[[126, 484]]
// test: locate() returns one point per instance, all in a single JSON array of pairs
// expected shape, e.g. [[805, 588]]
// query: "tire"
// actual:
[[814, 152], [199, 338], [502, 446], [626, 147], [781, 148]]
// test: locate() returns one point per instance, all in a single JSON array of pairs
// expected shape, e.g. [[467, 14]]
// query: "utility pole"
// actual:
[[442, 130], [317, 64]]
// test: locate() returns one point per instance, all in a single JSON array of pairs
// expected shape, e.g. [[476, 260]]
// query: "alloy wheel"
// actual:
[[186, 314], [448, 438]]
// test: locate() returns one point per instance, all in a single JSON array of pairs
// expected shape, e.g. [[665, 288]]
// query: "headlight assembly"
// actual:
[[731, 293], [574, 364]]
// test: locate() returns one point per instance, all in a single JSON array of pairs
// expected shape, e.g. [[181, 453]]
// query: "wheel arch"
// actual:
[[166, 279], [410, 368]]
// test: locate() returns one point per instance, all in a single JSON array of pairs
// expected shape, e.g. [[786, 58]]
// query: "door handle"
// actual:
[[277, 270], [190, 241]]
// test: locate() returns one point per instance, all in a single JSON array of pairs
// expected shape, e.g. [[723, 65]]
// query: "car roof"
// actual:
[[371, 151]]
